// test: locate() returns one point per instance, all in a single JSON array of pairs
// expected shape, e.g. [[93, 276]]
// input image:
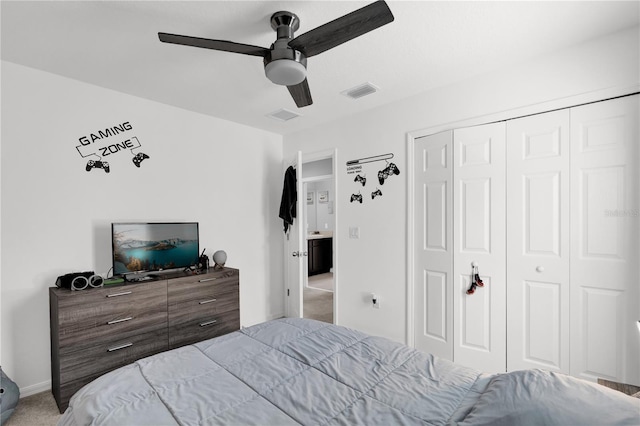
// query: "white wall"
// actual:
[[377, 261], [56, 216]]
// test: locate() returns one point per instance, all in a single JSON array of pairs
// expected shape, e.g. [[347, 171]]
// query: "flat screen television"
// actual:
[[141, 247]]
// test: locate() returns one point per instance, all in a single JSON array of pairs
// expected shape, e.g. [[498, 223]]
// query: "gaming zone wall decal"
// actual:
[[103, 144], [355, 167]]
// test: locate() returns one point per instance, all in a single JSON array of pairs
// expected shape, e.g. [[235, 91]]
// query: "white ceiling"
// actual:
[[114, 44]]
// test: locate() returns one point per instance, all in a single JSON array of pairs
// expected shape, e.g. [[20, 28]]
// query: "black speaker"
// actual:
[[203, 262], [79, 280]]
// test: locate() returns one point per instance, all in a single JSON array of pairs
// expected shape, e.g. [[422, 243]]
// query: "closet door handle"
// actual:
[[539, 268]]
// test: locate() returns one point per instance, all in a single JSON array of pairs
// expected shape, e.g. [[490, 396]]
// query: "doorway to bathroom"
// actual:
[[319, 226]]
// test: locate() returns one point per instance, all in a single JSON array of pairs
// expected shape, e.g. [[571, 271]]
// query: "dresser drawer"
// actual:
[[195, 329], [91, 318], [203, 308], [214, 292], [80, 366]]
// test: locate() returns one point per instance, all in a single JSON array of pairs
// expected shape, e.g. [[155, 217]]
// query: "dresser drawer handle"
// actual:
[[204, 280], [120, 320], [124, 293], [207, 301], [206, 323], [117, 348]]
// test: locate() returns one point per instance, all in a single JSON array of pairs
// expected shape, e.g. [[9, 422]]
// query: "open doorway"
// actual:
[[319, 225]]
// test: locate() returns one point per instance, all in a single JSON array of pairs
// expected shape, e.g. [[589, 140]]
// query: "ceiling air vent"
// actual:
[[283, 115], [360, 91]]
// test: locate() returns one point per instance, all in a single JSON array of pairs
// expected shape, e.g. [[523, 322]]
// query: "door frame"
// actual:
[[411, 137], [308, 157]]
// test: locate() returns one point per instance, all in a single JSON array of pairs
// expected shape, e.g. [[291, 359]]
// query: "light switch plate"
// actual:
[[354, 232]]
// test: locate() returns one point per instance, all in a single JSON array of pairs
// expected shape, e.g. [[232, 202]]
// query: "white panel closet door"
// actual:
[[538, 161], [479, 236], [433, 249], [605, 237]]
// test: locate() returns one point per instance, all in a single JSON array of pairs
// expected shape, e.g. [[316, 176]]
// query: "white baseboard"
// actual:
[[34, 389], [275, 316]]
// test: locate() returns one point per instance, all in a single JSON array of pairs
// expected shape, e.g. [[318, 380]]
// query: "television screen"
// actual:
[[153, 246]]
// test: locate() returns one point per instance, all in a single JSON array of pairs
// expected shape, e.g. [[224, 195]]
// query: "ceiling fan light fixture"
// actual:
[[285, 72], [285, 62]]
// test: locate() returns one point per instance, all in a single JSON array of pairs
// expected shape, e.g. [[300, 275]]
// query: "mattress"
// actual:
[[300, 371]]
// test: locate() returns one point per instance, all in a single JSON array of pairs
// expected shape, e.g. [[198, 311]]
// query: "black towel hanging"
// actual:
[[289, 198]]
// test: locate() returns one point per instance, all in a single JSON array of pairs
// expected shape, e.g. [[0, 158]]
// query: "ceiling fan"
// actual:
[[285, 62]]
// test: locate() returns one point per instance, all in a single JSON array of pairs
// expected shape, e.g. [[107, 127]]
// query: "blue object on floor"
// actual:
[[9, 396]]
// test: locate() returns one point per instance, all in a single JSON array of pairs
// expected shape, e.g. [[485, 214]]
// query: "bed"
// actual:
[[300, 371]]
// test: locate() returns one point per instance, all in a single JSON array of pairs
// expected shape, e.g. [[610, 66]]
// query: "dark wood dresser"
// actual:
[[95, 331]]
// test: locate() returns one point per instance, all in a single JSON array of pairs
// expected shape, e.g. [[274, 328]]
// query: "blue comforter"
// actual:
[[298, 371]]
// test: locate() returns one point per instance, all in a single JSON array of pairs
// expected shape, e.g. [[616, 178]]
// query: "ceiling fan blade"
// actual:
[[301, 94], [343, 29], [226, 46]]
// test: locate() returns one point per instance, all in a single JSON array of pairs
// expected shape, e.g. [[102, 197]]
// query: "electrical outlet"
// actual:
[[375, 299]]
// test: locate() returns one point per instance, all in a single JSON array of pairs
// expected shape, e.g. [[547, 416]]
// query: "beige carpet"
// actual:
[[321, 281], [35, 410], [318, 298], [318, 305]]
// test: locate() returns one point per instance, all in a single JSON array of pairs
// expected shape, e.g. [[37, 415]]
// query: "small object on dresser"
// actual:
[[220, 258], [79, 280], [203, 262], [113, 280]]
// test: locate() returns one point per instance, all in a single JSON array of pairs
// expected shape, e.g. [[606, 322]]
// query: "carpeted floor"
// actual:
[[318, 305], [318, 298], [322, 281], [35, 410]]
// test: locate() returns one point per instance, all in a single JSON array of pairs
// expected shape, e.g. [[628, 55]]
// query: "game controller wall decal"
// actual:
[[388, 171], [357, 167], [97, 164], [361, 179], [107, 143], [138, 158]]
